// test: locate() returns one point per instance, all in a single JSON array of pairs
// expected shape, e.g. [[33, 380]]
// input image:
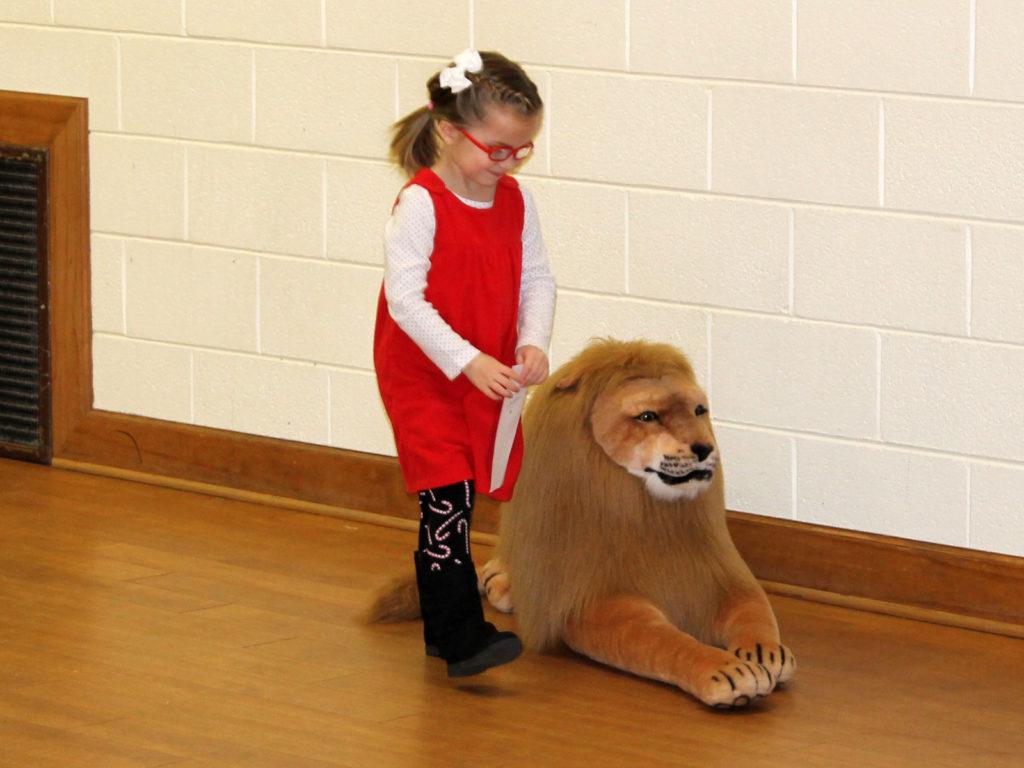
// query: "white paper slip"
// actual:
[[508, 422]]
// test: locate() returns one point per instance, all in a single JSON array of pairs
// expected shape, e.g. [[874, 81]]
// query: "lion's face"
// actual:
[[660, 431]]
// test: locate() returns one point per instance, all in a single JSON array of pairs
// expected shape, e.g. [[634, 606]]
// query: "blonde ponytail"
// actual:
[[413, 143]]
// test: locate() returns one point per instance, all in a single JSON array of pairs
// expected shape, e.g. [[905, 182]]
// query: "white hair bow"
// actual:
[[455, 77]]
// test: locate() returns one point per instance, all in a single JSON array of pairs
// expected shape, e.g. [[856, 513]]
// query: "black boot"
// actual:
[[453, 620]]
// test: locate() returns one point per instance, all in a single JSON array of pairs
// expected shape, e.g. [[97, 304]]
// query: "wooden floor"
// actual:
[[142, 626]]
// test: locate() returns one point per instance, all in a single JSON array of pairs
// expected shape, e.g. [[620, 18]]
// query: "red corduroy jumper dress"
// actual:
[[444, 429]]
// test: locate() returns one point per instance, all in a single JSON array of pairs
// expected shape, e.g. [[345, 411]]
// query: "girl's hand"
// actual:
[[535, 364], [491, 377]]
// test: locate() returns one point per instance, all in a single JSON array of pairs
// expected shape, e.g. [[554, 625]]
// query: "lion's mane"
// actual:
[[580, 527]]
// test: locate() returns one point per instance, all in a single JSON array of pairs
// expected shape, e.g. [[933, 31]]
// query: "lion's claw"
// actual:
[[777, 658], [737, 685], [493, 582]]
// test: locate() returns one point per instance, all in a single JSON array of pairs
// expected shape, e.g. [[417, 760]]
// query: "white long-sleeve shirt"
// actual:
[[408, 244]]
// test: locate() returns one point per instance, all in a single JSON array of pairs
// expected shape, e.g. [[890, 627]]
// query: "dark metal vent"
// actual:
[[24, 337]]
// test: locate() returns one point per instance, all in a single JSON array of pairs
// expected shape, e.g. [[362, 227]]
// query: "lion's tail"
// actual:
[[398, 600]]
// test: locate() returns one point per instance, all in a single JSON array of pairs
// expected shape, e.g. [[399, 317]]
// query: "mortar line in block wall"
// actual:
[[969, 278], [259, 307], [120, 84], [694, 192], [740, 312], [709, 331], [248, 355], [397, 95], [710, 138], [881, 153], [972, 61], [432, 59], [878, 386], [323, 210], [970, 505], [625, 248], [124, 287], [794, 469], [627, 35], [793, 40], [236, 249], [252, 84], [864, 442], [811, 205], [791, 309], [756, 314], [184, 193], [323, 23], [548, 109]]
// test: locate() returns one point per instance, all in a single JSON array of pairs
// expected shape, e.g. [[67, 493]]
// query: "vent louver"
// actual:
[[24, 341]]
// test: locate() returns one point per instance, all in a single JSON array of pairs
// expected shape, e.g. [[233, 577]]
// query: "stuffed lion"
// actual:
[[615, 542]]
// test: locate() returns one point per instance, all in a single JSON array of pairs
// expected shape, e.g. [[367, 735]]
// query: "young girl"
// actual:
[[467, 294]]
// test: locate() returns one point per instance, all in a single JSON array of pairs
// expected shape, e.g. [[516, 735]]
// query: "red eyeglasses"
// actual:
[[499, 152]]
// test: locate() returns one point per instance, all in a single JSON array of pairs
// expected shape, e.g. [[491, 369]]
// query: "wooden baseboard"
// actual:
[[899, 610], [931, 582], [223, 459], [754, 526], [927, 577]]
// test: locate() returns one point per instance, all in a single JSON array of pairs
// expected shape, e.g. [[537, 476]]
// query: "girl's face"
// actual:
[[470, 166]]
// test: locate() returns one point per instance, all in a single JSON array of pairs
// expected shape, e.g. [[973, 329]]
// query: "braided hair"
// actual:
[[414, 142]]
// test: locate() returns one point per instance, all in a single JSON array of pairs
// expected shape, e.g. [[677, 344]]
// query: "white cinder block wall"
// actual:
[[821, 201]]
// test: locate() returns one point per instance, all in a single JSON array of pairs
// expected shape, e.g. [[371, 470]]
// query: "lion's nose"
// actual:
[[703, 450]]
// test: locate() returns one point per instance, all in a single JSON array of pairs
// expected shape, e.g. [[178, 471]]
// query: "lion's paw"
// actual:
[[779, 660], [493, 581], [734, 684]]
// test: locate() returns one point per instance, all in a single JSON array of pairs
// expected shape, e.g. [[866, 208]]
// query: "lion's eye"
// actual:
[[701, 410], [647, 416]]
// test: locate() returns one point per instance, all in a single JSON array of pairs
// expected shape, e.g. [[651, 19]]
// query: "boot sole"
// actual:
[[501, 652]]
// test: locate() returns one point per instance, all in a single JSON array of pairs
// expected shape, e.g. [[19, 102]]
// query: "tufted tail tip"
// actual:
[[398, 600]]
